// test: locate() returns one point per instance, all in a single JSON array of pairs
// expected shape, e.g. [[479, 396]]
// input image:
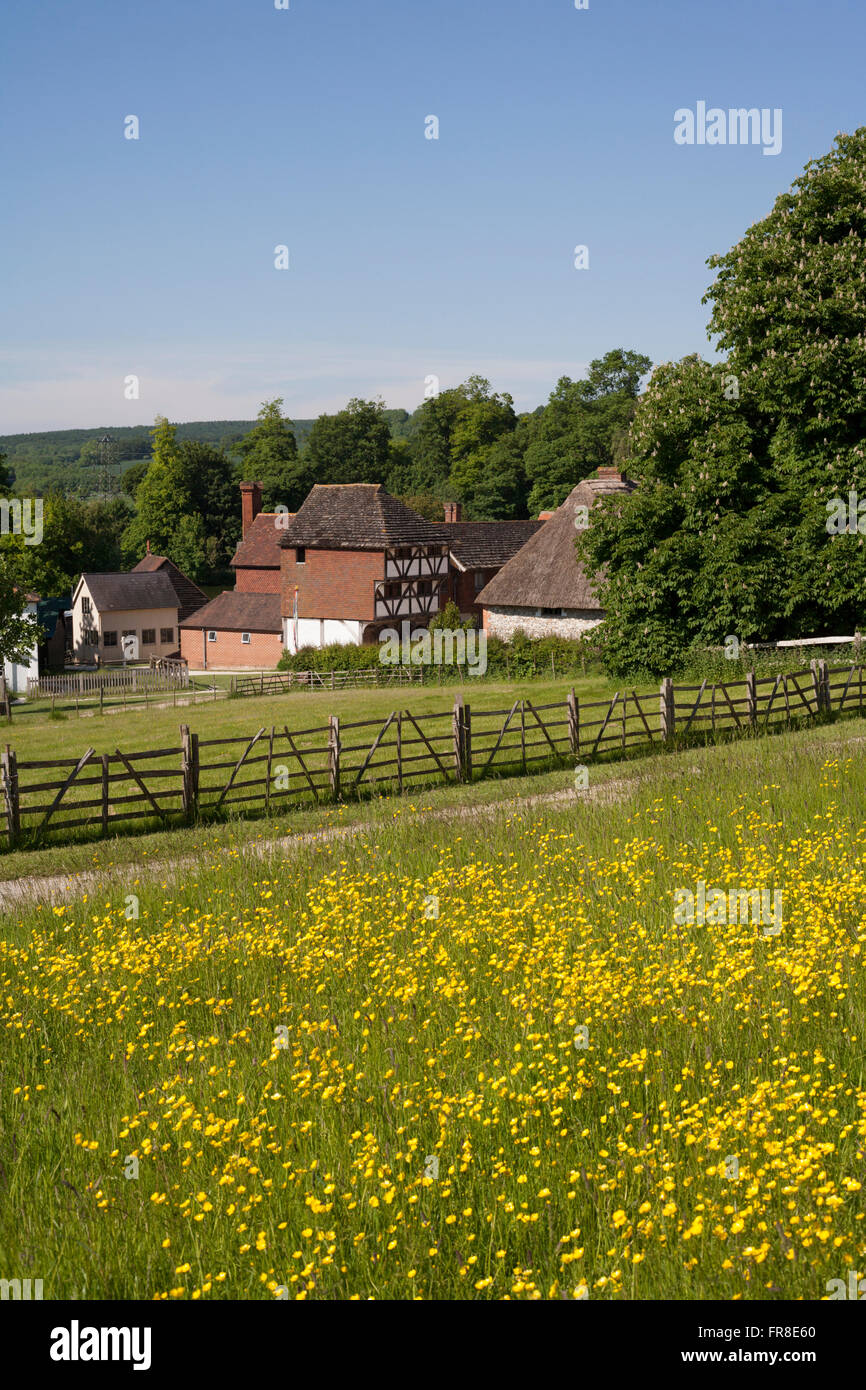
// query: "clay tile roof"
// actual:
[[358, 516], [260, 547], [545, 572], [189, 595], [488, 544], [112, 592], [237, 612]]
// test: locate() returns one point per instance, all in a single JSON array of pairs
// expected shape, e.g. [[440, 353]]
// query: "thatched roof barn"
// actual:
[[543, 589]]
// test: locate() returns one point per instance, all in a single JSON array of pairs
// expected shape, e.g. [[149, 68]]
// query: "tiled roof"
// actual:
[[488, 544], [545, 572], [112, 592], [189, 595], [260, 547], [238, 612], [358, 516]]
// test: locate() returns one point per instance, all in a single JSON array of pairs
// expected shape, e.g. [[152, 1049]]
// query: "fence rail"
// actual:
[[278, 767], [132, 680], [277, 682]]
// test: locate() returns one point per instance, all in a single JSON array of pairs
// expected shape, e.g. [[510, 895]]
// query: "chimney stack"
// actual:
[[453, 511], [251, 505], [608, 472]]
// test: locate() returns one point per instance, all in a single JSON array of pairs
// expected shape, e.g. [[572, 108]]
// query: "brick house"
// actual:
[[242, 627], [356, 560], [543, 590], [478, 551], [359, 560]]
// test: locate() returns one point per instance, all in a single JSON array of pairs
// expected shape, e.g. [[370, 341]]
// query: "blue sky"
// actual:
[[409, 257]]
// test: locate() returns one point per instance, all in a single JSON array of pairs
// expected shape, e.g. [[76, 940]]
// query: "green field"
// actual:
[[458, 1053]]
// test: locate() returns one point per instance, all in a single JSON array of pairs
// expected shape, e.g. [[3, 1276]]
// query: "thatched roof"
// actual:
[[357, 516], [545, 572]]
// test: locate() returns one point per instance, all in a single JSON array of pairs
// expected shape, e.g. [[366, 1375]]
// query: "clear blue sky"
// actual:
[[409, 256]]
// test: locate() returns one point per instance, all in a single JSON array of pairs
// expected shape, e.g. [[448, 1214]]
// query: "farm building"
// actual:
[[189, 596], [357, 560], [543, 590], [478, 551], [242, 627], [351, 561], [141, 607]]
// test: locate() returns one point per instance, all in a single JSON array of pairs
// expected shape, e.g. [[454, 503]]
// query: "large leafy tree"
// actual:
[[738, 463], [583, 426], [18, 632], [166, 516], [76, 536], [210, 479], [270, 456], [352, 446], [502, 489], [677, 563], [484, 419]]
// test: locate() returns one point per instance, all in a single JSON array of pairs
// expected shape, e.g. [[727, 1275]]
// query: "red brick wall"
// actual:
[[332, 583], [264, 649], [463, 591], [253, 581]]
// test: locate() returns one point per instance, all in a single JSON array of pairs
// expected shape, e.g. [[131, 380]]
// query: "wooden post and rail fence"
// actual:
[[201, 778]]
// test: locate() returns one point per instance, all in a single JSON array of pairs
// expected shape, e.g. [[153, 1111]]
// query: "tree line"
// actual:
[[465, 444]]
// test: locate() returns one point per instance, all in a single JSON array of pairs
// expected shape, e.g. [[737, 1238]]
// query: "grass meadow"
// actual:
[[466, 1051]]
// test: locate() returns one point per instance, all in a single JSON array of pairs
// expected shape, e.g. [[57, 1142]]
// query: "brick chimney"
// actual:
[[608, 472], [251, 505], [453, 511]]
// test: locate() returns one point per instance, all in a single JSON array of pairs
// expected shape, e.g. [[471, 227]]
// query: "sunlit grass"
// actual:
[[285, 1044]]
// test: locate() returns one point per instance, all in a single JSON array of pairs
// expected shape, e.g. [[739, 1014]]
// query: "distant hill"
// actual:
[[52, 458]]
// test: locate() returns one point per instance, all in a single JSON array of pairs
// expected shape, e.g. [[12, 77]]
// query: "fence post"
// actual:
[[399, 751], [467, 742], [752, 698], [334, 755], [825, 685], [457, 736], [667, 709], [817, 684], [10, 795], [104, 808], [573, 709], [189, 771]]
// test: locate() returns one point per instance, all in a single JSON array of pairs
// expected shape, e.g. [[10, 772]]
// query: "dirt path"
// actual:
[[57, 888]]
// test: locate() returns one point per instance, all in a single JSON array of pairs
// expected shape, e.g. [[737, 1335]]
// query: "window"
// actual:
[[211, 637], [86, 605], [91, 638], [166, 634], [245, 638], [148, 636], [109, 639], [301, 555], [479, 581]]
